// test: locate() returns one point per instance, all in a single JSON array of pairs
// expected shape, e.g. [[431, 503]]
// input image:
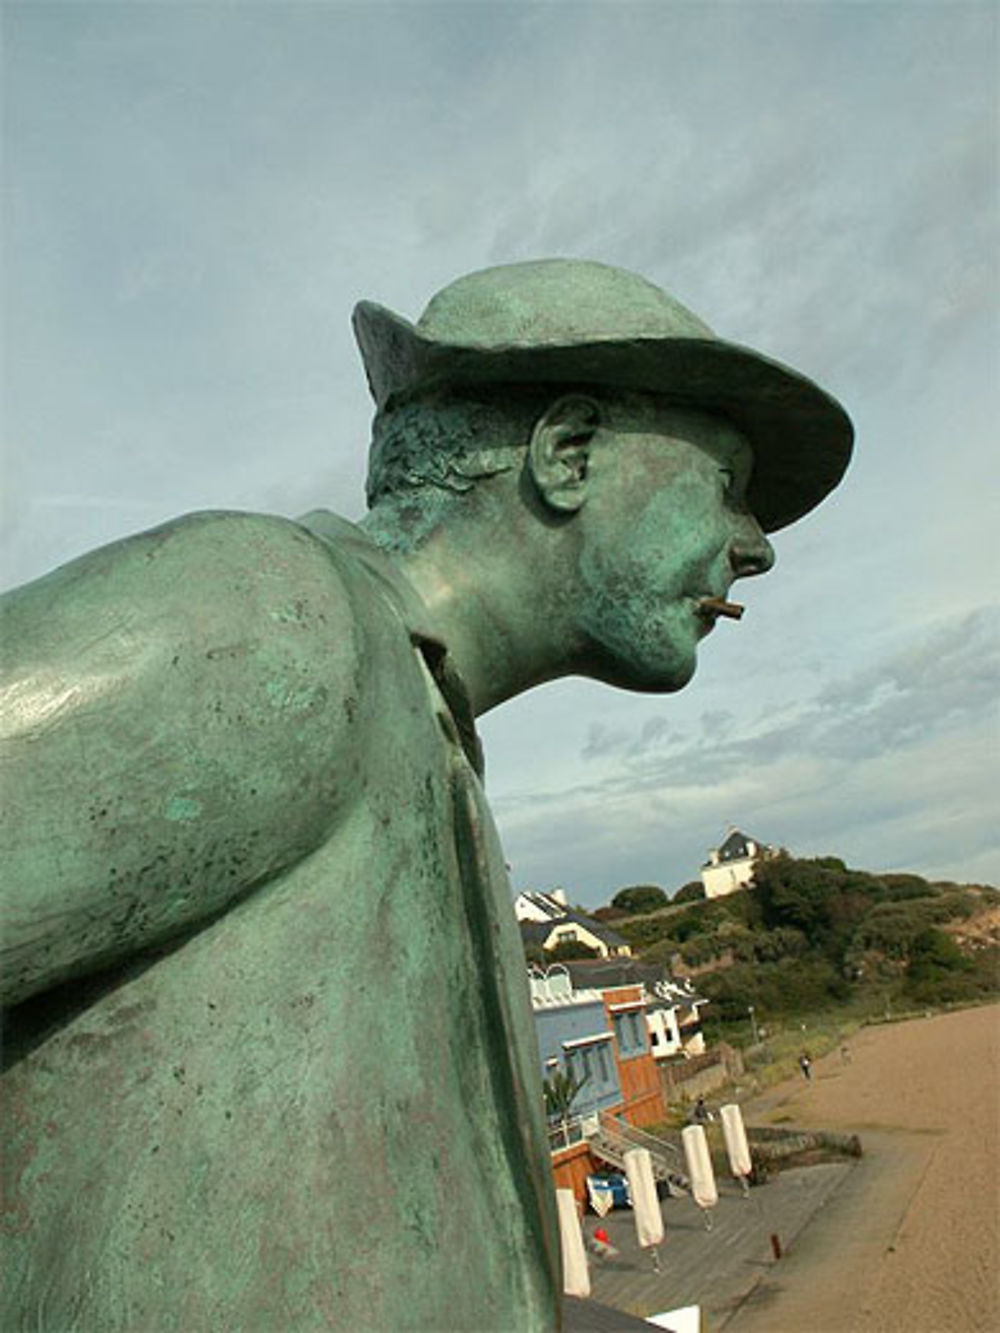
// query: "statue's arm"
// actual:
[[179, 717]]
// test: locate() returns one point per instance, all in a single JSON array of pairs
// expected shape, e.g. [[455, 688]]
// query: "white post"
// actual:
[[645, 1204], [576, 1274], [699, 1169], [735, 1135]]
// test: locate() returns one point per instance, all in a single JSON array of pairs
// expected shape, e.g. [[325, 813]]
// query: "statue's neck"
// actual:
[[486, 595]]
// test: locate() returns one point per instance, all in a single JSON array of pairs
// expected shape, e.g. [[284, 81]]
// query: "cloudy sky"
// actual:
[[197, 194]]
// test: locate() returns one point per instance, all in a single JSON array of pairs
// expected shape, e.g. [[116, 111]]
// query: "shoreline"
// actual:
[[910, 1241]]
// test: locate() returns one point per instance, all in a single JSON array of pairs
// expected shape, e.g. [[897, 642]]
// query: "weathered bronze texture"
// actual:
[[270, 1057]]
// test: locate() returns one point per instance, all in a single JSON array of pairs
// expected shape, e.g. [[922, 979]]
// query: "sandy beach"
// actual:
[[911, 1242]]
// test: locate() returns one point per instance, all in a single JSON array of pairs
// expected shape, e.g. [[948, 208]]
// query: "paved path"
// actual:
[[859, 1220], [716, 1269]]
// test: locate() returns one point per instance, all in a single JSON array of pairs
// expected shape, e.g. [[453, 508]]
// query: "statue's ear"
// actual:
[[560, 451]]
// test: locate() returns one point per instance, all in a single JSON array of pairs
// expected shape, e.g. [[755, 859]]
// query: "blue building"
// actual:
[[575, 1037]]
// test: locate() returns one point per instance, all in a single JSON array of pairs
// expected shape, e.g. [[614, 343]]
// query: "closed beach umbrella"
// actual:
[[736, 1140], [645, 1204], [699, 1167], [576, 1274]]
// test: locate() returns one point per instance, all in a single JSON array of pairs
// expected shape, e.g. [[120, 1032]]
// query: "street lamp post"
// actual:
[[753, 1024]]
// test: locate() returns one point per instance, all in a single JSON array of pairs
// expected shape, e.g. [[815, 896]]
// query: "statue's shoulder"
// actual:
[[207, 686], [242, 595], [263, 579]]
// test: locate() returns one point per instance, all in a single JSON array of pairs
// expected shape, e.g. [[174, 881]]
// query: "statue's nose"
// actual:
[[750, 552]]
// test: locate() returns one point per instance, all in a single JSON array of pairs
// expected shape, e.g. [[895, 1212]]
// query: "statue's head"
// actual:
[[616, 414]]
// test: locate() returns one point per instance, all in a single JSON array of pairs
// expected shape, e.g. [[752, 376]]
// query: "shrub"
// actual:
[[789, 986], [645, 930], [933, 953], [608, 914], [566, 950], [890, 929], [782, 942], [901, 887], [640, 898], [663, 951]]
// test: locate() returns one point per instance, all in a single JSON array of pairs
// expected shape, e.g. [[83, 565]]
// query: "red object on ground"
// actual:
[[601, 1235]]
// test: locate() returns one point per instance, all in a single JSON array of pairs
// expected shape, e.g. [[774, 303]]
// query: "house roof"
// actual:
[[597, 928], [736, 847], [673, 992], [544, 902], [537, 932], [606, 973], [602, 973]]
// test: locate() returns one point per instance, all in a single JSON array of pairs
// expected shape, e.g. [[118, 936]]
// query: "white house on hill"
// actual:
[[730, 866]]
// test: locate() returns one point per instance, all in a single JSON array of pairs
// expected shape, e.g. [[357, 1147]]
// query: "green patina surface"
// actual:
[[271, 1062], [286, 1119]]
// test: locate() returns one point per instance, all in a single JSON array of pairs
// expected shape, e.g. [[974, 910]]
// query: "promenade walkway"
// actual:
[[716, 1269]]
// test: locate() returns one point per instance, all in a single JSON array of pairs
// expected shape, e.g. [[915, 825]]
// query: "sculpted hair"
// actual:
[[450, 439]]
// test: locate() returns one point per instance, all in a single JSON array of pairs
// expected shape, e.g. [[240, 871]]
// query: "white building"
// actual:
[[730, 866], [674, 1021]]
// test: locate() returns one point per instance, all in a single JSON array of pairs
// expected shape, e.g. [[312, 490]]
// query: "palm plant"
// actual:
[[560, 1092]]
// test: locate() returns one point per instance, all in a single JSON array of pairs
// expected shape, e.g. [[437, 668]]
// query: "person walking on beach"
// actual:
[[805, 1064]]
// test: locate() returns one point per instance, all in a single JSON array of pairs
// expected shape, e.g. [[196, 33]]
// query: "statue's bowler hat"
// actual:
[[571, 322]]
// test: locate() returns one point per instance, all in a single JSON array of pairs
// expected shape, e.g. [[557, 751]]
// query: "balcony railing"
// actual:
[[573, 1129]]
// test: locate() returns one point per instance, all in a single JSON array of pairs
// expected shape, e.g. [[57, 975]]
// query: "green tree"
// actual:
[[608, 913], [933, 954], [643, 931], [821, 898], [692, 892], [640, 898], [664, 951], [560, 1092]]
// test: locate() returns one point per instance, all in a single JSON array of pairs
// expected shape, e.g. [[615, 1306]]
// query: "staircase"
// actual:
[[613, 1138]]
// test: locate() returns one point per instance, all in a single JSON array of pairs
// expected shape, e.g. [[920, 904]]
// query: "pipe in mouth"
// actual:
[[718, 606]]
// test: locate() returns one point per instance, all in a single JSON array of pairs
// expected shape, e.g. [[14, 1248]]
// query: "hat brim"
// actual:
[[801, 437]]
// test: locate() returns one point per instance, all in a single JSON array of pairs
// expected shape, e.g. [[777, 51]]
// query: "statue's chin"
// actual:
[[645, 675]]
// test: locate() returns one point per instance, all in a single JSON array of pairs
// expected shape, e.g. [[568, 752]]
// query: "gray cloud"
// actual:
[[879, 765]]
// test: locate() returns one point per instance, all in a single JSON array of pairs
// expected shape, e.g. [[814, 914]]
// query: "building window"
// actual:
[[629, 1031], [602, 1060]]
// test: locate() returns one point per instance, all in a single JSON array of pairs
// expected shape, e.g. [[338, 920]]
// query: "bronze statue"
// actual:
[[271, 1064]]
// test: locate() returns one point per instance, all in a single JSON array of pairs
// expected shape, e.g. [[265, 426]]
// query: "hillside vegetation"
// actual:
[[811, 934]]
